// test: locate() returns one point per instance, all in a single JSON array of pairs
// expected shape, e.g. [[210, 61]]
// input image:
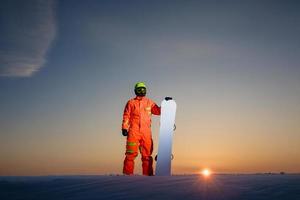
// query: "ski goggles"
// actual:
[[140, 90]]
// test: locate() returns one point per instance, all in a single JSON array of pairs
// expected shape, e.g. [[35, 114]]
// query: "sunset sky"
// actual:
[[67, 68]]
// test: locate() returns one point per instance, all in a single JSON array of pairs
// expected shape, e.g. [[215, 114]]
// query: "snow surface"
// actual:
[[231, 187]]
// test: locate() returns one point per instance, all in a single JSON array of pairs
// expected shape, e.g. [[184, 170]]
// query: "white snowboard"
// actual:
[[167, 122]]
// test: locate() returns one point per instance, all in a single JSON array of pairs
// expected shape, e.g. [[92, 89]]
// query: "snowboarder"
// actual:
[[136, 126]]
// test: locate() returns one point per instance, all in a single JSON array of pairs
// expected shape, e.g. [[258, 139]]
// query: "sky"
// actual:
[[67, 69]]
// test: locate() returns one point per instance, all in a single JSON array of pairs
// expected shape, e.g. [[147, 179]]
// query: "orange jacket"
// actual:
[[137, 115]]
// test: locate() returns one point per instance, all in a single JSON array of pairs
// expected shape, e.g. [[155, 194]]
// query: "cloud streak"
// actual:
[[27, 30]]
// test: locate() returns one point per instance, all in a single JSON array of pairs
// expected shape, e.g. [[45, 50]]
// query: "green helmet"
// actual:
[[140, 89], [140, 84]]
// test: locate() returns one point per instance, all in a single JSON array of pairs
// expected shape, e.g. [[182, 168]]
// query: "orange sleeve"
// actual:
[[126, 116], [155, 109]]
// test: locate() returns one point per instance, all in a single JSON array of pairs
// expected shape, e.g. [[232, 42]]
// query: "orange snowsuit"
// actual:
[[137, 120]]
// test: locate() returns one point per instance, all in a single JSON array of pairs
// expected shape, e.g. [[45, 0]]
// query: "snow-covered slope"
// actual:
[[183, 187]]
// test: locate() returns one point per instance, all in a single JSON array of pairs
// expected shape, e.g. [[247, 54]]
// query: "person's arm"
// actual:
[[126, 118], [155, 109]]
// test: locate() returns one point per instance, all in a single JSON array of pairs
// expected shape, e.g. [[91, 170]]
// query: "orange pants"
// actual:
[[145, 145]]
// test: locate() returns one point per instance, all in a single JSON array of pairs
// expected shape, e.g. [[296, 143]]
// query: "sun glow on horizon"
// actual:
[[206, 172]]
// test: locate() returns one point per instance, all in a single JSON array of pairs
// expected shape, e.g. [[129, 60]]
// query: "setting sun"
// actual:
[[206, 172]]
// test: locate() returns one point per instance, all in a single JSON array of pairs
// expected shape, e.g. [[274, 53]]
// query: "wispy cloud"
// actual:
[[27, 31]]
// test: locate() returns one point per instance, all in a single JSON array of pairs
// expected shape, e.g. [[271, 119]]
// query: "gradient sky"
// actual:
[[67, 69]]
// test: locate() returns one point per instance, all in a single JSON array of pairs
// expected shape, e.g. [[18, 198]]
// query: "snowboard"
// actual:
[[167, 126]]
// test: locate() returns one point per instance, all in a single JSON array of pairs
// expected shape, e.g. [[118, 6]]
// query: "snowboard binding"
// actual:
[[172, 157]]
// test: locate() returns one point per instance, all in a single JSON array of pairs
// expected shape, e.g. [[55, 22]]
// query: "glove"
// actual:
[[124, 132], [168, 98]]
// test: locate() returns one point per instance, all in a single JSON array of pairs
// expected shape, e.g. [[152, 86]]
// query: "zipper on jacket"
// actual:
[[140, 116]]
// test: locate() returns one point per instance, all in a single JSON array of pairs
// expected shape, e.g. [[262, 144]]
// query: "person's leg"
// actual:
[[131, 153], [146, 148]]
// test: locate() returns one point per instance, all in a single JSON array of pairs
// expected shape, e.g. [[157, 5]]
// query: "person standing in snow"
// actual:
[[136, 126]]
